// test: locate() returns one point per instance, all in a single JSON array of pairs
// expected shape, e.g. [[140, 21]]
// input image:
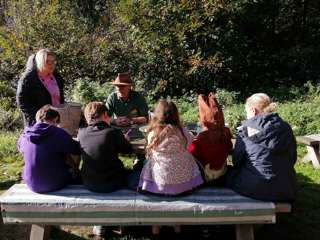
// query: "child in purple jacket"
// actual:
[[45, 148]]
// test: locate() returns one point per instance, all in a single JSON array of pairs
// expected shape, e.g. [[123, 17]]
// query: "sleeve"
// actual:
[[228, 136], [24, 100], [21, 143], [69, 145], [188, 136], [110, 105], [239, 152], [143, 107], [122, 145], [60, 82]]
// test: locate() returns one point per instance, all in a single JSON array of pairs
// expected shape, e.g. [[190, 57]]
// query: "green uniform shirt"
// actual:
[[135, 106]]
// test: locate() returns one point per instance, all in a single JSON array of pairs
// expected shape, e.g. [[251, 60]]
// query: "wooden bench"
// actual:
[[74, 205], [312, 142]]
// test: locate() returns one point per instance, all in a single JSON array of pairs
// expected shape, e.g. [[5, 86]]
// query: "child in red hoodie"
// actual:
[[213, 145]]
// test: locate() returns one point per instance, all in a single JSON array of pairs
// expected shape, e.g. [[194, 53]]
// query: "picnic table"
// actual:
[[74, 205], [312, 143]]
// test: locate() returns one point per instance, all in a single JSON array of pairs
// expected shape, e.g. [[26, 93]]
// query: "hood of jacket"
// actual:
[[38, 132], [268, 130]]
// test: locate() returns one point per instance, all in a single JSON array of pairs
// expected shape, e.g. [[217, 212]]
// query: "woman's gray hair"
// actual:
[[41, 58]]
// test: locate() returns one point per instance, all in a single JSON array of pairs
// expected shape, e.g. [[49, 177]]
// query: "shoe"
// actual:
[[99, 230]]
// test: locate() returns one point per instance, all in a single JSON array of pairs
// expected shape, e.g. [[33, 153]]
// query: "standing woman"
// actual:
[[39, 85]]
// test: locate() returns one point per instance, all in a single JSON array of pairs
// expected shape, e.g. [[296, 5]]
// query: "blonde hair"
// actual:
[[41, 58], [262, 102], [94, 110]]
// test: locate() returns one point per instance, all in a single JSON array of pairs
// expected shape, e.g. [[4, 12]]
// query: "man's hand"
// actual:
[[139, 120], [122, 121]]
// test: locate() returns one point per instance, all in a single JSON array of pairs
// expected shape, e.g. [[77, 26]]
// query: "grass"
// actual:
[[10, 159]]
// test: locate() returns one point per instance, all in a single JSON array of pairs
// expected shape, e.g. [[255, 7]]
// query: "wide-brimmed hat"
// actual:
[[123, 79]]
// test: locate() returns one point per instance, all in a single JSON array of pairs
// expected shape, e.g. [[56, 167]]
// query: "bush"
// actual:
[[234, 115], [10, 116], [10, 159], [170, 47], [86, 90], [227, 98], [304, 117]]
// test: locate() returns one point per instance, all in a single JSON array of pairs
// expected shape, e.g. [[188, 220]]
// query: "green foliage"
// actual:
[[85, 40], [10, 159], [304, 117], [234, 115], [10, 116], [242, 45], [170, 47], [86, 90], [227, 98]]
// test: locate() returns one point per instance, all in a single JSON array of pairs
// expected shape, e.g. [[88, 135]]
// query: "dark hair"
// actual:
[[94, 110], [47, 113]]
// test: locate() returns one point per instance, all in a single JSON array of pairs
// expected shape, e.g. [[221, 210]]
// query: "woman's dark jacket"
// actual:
[[264, 162], [102, 170], [32, 94]]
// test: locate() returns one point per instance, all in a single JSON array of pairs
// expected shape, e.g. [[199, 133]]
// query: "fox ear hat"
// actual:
[[210, 112]]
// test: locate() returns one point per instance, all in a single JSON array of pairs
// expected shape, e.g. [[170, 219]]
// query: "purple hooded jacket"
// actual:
[[44, 148]]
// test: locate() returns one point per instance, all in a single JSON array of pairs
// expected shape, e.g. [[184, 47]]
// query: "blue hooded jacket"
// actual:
[[44, 148], [264, 161]]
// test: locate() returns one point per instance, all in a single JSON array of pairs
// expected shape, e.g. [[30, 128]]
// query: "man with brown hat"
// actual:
[[125, 105]]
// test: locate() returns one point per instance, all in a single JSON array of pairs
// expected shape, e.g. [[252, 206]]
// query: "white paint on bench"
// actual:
[[75, 205]]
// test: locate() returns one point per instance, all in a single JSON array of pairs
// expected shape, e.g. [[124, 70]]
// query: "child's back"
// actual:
[[170, 168], [212, 146]]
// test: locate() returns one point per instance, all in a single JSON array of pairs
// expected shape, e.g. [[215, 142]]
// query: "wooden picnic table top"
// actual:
[[76, 205], [311, 140]]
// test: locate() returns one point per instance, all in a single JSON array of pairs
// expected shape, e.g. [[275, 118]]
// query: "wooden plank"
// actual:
[[244, 232], [283, 207], [310, 140], [74, 203], [39, 232]]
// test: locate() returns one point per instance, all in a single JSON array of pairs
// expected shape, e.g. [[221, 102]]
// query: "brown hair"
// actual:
[[166, 114], [94, 110], [47, 113]]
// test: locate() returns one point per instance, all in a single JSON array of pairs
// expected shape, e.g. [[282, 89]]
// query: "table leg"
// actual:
[[313, 155], [39, 232], [244, 232]]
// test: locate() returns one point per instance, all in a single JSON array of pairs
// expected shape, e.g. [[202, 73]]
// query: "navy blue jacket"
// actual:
[[264, 162]]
